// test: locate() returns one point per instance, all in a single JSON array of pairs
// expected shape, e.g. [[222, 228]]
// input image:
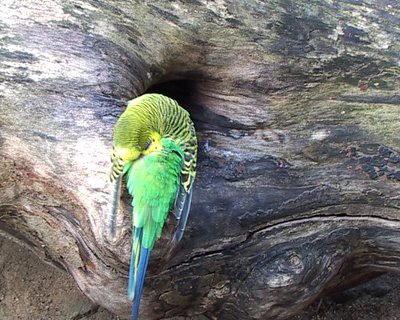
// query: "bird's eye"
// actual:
[[148, 143]]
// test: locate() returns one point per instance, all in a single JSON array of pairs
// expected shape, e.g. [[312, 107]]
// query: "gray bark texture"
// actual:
[[297, 109]]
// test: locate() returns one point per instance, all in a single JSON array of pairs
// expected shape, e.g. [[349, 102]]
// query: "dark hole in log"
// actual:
[[179, 90], [192, 96], [186, 93]]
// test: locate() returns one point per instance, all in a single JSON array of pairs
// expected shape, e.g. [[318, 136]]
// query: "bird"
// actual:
[[155, 149]]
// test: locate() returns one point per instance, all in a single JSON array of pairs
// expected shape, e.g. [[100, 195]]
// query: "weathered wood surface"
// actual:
[[296, 105]]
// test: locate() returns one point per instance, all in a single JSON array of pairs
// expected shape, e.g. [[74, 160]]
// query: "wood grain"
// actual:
[[296, 106]]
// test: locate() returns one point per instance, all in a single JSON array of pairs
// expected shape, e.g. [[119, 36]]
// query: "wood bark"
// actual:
[[296, 105]]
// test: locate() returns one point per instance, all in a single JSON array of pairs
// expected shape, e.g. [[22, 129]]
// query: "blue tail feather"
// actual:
[[139, 281], [131, 281], [137, 237]]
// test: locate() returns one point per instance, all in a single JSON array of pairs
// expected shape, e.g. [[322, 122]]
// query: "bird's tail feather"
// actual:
[[144, 260], [137, 271], [114, 204], [135, 256]]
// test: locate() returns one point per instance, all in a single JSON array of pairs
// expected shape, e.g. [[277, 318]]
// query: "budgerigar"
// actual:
[[155, 147]]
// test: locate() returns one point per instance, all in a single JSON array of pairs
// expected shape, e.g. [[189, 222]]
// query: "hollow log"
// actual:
[[296, 106]]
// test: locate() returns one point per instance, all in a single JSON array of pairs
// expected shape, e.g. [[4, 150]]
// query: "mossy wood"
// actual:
[[297, 109]]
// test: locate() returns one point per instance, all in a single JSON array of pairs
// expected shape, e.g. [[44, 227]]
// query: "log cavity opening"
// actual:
[[183, 91], [192, 95]]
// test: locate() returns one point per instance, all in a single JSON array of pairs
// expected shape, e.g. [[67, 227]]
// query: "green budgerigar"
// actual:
[[155, 147]]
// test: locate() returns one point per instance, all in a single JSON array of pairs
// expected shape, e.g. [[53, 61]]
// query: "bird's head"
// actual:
[[143, 143], [136, 134]]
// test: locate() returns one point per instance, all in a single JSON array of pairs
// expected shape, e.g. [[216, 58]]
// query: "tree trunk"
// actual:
[[296, 105]]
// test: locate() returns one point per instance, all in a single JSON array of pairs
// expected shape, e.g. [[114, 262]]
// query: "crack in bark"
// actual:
[[88, 313], [392, 99], [285, 224]]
